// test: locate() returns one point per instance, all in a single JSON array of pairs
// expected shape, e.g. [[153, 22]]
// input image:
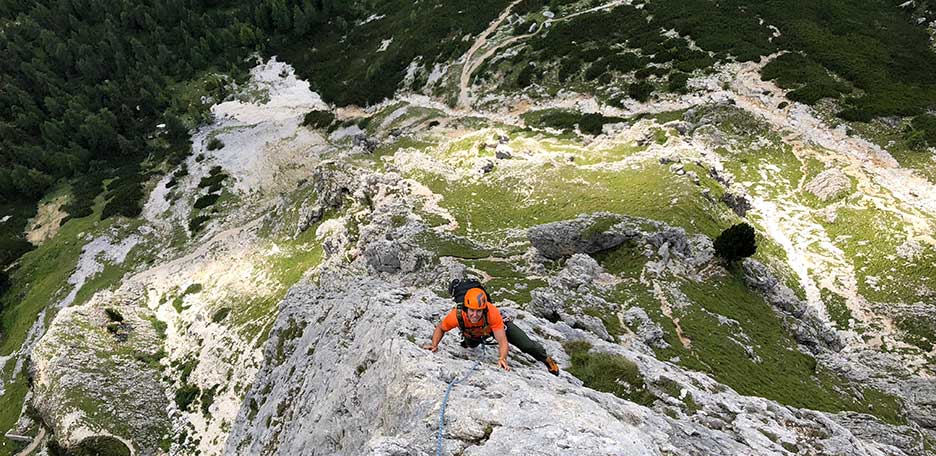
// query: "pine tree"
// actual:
[[736, 242]]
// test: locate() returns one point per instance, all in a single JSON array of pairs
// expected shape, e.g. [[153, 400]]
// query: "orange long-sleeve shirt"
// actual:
[[494, 323]]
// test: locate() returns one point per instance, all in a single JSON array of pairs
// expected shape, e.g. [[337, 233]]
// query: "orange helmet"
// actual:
[[476, 298]]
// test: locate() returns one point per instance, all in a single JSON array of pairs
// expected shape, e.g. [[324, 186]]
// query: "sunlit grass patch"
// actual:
[[549, 193], [870, 238]]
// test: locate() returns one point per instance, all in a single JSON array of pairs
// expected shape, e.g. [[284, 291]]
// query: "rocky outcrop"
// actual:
[[344, 374], [807, 328], [829, 184], [585, 234], [737, 200], [96, 378], [647, 330]]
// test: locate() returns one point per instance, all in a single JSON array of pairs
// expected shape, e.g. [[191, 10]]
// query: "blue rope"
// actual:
[[445, 402]]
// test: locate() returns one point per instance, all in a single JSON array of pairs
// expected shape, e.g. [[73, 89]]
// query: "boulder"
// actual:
[[647, 330], [806, 327], [829, 184], [384, 256], [585, 234], [579, 270], [96, 381], [344, 373], [737, 200]]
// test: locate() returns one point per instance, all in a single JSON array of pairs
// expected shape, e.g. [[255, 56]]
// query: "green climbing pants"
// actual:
[[517, 338]]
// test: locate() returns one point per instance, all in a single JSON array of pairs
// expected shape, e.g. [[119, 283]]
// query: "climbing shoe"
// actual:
[[551, 365]]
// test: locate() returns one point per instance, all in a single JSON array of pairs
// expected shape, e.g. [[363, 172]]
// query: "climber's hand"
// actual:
[[431, 347], [502, 362]]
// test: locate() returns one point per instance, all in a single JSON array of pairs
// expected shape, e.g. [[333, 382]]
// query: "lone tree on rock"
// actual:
[[736, 242]]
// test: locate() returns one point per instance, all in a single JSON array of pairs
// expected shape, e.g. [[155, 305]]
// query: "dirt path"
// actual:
[[471, 63], [46, 222], [40, 437], [468, 67]]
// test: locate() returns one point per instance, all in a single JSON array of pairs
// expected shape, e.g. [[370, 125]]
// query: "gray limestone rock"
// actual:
[[579, 270], [894, 439], [805, 326], [364, 142], [95, 381], [344, 374], [648, 331], [920, 397], [585, 234], [829, 184], [486, 166], [737, 200], [758, 277], [384, 256]]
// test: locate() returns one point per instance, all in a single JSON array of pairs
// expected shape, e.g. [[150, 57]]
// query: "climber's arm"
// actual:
[[501, 336]]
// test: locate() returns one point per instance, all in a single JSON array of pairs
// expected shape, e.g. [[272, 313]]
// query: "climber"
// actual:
[[478, 320]]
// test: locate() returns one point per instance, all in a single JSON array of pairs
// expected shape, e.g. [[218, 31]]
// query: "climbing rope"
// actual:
[[448, 390]]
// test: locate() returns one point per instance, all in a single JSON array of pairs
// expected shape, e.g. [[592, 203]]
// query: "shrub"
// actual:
[[221, 314], [12, 248], [185, 395], [160, 327], [568, 68], [736, 242], [208, 399], [525, 78], [206, 201], [84, 190], [195, 225], [677, 82], [181, 172], [926, 126], [193, 289], [215, 144], [113, 314], [640, 91], [4, 282], [318, 119], [126, 202], [590, 123], [213, 179]]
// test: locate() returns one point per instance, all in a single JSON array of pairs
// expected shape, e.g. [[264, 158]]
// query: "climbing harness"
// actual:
[[445, 402]]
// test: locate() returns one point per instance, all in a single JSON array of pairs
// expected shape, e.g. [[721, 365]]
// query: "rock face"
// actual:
[[586, 234], [737, 201], [829, 184], [807, 328], [95, 380], [345, 374]]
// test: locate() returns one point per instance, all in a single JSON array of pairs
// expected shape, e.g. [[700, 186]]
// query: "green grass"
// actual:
[[501, 202], [782, 373], [10, 404], [624, 259], [254, 315], [451, 245], [42, 277], [838, 311], [41, 280], [608, 373], [869, 237], [506, 281]]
